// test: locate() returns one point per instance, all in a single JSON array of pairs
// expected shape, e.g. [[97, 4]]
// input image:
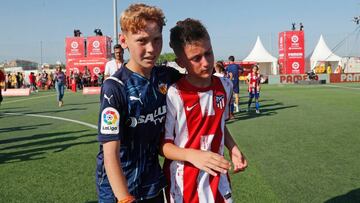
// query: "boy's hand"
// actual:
[[209, 162], [238, 159]]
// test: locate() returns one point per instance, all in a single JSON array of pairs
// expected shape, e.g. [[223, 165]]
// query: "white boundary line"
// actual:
[[344, 87], [9, 102], [53, 117]]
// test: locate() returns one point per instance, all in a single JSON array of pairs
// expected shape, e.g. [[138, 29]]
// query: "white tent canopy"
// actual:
[[322, 54], [267, 63]]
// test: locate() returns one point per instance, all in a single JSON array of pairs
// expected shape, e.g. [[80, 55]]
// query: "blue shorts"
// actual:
[[254, 94], [236, 87]]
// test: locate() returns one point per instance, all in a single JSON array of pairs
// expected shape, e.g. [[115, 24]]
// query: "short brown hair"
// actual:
[[135, 17], [185, 32]]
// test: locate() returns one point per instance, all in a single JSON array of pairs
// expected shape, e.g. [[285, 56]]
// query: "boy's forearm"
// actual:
[[229, 140], [173, 152], [114, 171]]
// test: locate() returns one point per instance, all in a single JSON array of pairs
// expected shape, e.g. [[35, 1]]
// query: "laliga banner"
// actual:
[[95, 65], [99, 46], [74, 47], [292, 52]]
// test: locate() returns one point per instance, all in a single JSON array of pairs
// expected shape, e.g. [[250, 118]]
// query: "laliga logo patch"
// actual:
[[295, 39], [220, 102], [74, 45], [110, 121], [295, 65], [163, 88], [96, 44]]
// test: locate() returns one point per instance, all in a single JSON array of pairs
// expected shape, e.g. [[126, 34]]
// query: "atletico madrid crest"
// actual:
[[220, 101]]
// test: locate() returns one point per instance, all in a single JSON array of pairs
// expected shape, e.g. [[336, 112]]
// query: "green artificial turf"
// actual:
[[303, 147]]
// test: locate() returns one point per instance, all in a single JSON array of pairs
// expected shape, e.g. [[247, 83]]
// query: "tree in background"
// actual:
[[166, 57]]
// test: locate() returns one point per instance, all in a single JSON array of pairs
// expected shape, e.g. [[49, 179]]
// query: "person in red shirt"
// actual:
[[32, 80], [2, 81]]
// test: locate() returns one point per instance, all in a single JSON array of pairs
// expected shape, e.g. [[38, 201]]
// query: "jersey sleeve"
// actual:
[[110, 122], [170, 122], [228, 86]]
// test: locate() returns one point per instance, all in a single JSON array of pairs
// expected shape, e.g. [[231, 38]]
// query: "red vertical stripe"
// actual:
[[201, 125]]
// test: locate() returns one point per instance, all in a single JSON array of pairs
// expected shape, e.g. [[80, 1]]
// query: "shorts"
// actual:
[[106, 195], [254, 94], [236, 88]]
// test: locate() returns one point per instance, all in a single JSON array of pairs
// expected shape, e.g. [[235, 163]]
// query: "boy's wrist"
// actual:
[[127, 199]]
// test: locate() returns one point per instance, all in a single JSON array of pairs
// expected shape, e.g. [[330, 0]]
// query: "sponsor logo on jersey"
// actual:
[[108, 98], [136, 98], [110, 121], [189, 108], [157, 117], [162, 88], [220, 101]]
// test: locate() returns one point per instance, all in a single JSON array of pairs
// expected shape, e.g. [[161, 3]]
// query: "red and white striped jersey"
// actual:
[[254, 82], [196, 119]]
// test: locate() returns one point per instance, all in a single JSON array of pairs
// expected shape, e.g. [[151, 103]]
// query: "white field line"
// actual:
[[53, 117], [19, 100], [352, 88]]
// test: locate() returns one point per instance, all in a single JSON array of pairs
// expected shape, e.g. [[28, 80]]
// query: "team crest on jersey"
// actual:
[[220, 101], [162, 88], [110, 121]]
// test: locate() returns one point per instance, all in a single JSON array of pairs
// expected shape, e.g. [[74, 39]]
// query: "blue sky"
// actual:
[[232, 24]]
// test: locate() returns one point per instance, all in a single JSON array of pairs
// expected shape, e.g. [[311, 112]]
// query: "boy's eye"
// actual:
[[141, 41], [196, 58]]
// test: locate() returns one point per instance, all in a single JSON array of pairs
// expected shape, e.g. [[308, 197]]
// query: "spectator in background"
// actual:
[[86, 77], [220, 70], [13, 80], [112, 66], [101, 78], [19, 80], [60, 79], [233, 71], [32, 81], [2, 84], [8, 80], [38, 80]]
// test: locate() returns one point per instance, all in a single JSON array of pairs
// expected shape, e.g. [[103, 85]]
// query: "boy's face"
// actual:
[[144, 46], [198, 59]]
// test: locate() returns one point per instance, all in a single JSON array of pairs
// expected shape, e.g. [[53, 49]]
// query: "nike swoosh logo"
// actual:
[[191, 107]]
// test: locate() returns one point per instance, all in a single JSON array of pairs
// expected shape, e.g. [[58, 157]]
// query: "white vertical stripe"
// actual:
[[206, 103], [204, 189], [224, 187], [177, 181]]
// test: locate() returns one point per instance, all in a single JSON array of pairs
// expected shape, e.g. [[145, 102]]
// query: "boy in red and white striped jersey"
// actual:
[[195, 131], [253, 80]]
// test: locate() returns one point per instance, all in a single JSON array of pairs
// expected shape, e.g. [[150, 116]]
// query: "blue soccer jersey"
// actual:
[[133, 110], [234, 69]]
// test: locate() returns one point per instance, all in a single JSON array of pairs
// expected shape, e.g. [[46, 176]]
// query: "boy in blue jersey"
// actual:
[[132, 113], [233, 70]]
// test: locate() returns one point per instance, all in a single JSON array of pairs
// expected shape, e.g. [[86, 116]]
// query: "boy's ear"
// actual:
[[122, 41]]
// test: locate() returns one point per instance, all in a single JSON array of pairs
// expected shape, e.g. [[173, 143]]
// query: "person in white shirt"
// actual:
[[112, 66], [220, 70]]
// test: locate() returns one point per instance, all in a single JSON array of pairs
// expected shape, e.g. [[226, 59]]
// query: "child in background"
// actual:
[[253, 80]]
